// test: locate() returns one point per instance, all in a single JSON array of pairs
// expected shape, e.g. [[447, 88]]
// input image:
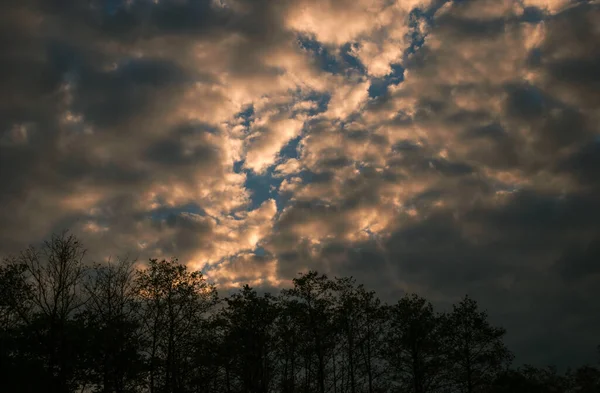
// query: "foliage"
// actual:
[[67, 326]]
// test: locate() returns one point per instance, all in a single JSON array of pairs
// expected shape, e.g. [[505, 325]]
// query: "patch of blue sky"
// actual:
[[246, 116], [350, 60], [262, 187], [321, 100], [342, 63], [265, 186], [532, 15], [416, 18], [379, 86], [238, 166], [427, 15], [326, 60], [291, 149], [259, 251]]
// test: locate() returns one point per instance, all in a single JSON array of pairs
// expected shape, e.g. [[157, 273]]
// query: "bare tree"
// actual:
[[55, 271]]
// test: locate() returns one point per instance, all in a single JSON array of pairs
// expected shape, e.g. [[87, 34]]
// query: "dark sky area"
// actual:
[[437, 147]]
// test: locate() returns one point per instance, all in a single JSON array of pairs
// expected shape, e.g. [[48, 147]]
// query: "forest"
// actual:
[[67, 325]]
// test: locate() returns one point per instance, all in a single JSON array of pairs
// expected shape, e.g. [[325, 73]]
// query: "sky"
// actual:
[[428, 146]]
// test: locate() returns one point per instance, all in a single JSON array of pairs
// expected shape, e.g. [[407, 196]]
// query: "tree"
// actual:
[[54, 273], [15, 295], [371, 341], [289, 337], [314, 296], [19, 370], [473, 348], [174, 303], [585, 379], [360, 318], [348, 316], [413, 342], [529, 379], [249, 321], [113, 327]]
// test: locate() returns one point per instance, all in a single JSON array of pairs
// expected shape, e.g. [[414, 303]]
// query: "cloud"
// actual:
[[251, 269], [437, 147], [347, 99], [264, 145]]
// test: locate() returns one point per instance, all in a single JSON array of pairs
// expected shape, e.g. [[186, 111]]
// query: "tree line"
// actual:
[[66, 326]]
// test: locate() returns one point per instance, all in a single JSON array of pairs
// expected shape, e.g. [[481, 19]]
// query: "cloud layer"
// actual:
[[437, 146]]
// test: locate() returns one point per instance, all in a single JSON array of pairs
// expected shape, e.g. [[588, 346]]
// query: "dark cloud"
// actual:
[[109, 98], [176, 152], [580, 262], [438, 147], [584, 164], [569, 56]]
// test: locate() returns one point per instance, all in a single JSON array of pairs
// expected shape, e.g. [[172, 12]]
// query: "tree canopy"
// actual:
[[69, 326]]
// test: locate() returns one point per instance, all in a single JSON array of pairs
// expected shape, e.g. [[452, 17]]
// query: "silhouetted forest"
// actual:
[[66, 326]]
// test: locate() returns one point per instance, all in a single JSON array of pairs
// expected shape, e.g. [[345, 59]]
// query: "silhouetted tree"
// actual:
[[348, 315], [585, 379], [162, 329], [249, 321], [529, 379], [413, 341], [361, 318], [315, 296], [21, 370], [289, 337], [54, 272], [15, 294], [113, 325], [513, 381], [210, 357], [174, 303], [473, 348]]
